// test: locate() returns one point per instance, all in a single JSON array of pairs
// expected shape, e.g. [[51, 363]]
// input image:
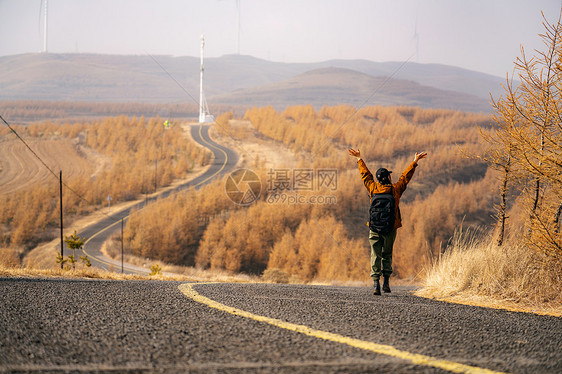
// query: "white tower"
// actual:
[[204, 115], [45, 30]]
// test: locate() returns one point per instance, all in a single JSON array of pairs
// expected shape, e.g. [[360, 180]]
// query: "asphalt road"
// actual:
[[150, 326], [224, 160]]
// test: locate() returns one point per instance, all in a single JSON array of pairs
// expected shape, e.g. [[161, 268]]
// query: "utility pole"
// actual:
[[121, 245], [201, 97], [204, 114], [61, 225]]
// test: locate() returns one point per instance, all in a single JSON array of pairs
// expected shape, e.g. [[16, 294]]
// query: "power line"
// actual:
[[28, 147], [222, 126], [174, 79], [55, 174], [43, 162], [375, 91]]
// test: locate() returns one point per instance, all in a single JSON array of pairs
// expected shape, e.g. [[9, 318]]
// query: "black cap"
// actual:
[[383, 174]]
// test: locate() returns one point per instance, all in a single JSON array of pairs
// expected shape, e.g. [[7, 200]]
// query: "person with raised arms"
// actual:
[[384, 215]]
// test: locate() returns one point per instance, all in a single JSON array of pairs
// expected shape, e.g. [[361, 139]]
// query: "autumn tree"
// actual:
[[126, 150], [75, 242], [528, 137]]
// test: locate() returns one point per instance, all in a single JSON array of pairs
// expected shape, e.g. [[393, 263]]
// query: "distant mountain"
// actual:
[[241, 80], [333, 86]]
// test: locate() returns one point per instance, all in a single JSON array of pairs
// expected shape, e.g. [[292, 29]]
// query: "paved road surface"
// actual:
[[150, 326], [224, 161]]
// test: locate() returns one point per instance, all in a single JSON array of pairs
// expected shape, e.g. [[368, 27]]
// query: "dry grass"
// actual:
[[80, 273], [194, 275], [112, 249], [9, 257], [169, 273], [477, 272], [275, 276], [42, 264]]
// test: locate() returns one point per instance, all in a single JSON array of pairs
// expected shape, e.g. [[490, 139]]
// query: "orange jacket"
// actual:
[[398, 188]]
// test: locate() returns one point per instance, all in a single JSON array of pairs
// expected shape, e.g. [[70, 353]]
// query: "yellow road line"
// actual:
[[212, 146], [99, 259], [418, 359], [127, 216]]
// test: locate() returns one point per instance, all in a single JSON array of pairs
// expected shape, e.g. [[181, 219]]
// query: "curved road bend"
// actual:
[[57, 326], [224, 160]]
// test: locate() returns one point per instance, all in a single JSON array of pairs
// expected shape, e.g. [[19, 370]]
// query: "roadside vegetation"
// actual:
[[475, 270], [187, 275], [307, 242], [522, 263], [141, 156], [326, 242]]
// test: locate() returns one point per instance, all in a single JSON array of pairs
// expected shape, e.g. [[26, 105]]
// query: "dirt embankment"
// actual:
[[252, 147]]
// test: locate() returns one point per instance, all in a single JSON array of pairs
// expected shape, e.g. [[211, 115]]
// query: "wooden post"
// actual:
[[121, 245], [61, 221]]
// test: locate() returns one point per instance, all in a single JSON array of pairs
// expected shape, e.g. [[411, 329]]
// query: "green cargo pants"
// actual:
[[381, 253]]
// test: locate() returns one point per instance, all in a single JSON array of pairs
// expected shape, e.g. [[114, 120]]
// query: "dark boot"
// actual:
[[386, 285], [377, 287]]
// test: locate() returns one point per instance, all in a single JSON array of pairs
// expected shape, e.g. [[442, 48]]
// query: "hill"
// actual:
[[157, 79], [333, 86]]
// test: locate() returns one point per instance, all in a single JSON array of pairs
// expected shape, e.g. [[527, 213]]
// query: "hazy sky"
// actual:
[[482, 35]]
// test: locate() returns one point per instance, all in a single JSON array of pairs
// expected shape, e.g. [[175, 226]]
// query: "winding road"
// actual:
[[56, 325], [224, 160]]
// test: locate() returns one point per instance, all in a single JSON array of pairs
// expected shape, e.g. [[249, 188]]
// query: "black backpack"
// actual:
[[382, 213]]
